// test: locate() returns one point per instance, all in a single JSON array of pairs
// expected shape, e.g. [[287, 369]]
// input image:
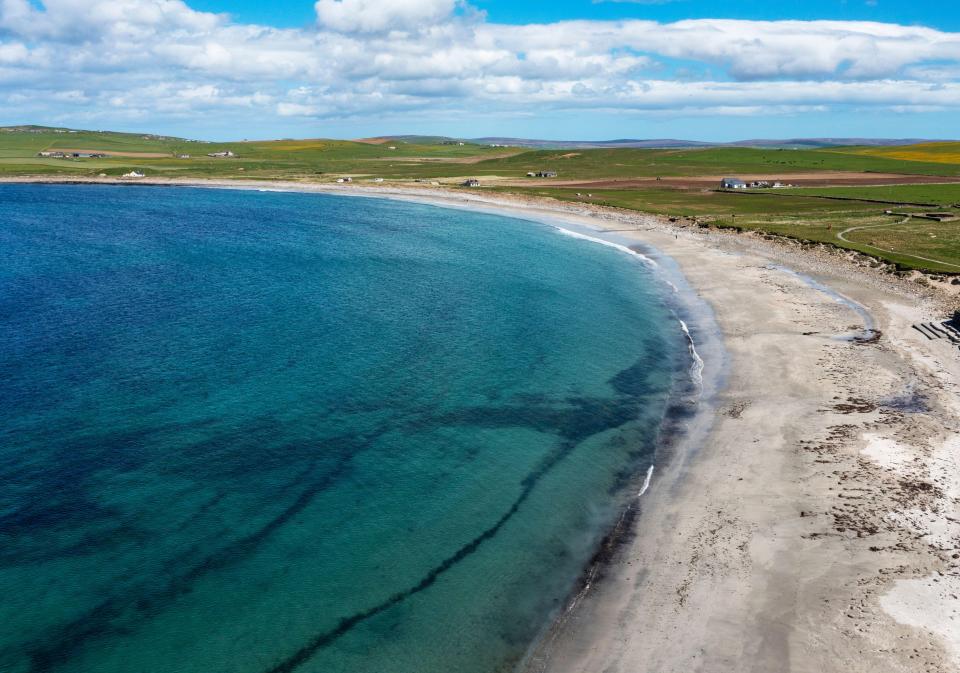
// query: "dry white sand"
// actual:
[[817, 526]]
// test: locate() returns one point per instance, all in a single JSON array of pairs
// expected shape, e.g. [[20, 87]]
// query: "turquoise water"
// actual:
[[266, 432]]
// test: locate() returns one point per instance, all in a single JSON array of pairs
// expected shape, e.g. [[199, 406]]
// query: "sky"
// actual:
[[564, 69]]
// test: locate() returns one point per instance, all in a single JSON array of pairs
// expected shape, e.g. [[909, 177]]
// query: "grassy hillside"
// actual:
[[621, 163], [19, 147], [28, 141]]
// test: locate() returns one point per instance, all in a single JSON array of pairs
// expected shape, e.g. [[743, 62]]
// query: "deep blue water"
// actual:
[[250, 432]]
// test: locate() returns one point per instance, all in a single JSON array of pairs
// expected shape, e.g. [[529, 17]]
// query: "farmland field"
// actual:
[[942, 194]]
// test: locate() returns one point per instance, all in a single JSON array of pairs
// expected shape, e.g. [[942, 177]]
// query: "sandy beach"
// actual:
[[816, 525]]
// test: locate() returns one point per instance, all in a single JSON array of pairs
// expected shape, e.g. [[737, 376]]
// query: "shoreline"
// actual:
[[818, 525]]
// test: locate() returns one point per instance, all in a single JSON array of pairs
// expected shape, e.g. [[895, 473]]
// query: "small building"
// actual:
[[225, 154], [133, 174], [732, 183], [472, 182], [547, 174]]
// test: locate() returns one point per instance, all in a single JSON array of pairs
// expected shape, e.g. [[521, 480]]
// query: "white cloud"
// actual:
[[296, 110], [76, 20], [371, 16], [136, 59]]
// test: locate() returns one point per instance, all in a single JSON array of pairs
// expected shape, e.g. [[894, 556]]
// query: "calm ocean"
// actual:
[[248, 432]]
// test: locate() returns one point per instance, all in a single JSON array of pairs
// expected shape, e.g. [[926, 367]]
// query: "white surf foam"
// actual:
[[646, 482], [696, 369], [610, 244]]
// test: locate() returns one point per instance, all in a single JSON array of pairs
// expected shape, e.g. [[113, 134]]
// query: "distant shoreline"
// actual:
[[819, 507]]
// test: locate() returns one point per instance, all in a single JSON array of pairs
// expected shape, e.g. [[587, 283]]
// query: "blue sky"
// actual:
[[574, 69], [937, 14]]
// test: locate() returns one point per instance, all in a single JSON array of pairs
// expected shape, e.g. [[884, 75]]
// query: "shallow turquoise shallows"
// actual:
[[248, 432]]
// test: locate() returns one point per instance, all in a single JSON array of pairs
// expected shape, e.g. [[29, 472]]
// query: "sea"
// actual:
[[267, 432]]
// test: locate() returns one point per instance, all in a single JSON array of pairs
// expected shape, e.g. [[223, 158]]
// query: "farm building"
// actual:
[[222, 155], [732, 183], [57, 154]]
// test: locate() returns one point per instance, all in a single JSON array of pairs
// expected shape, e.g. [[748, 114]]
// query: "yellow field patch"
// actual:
[[939, 153], [291, 145]]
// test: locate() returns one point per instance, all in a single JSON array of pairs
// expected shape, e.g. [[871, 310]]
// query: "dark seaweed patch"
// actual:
[[102, 620], [346, 624], [911, 401], [583, 418], [573, 419]]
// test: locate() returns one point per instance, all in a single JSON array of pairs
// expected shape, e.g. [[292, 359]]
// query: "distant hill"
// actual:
[[26, 130], [590, 144], [60, 130], [810, 143], [833, 142]]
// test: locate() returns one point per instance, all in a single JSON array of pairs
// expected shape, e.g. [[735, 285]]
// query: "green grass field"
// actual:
[[802, 213], [624, 163], [924, 239], [947, 195]]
